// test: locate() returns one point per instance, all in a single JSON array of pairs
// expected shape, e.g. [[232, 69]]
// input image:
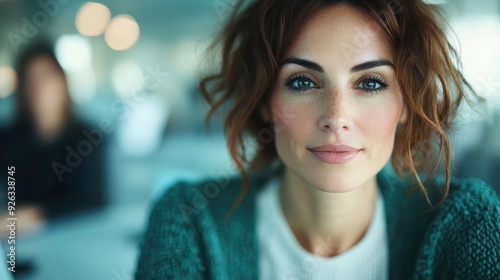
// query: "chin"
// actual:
[[339, 186], [333, 182], [330, 178]]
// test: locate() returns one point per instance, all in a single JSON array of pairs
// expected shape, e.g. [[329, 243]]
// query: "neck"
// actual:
[[49, 126], [327, 224]]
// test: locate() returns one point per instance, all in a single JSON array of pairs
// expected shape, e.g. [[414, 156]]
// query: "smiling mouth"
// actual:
[[334, 153]]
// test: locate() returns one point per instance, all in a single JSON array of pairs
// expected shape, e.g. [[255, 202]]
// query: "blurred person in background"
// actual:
[[57, 172]]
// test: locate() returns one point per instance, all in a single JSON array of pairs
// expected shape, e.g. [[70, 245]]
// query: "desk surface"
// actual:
[[99, 245]]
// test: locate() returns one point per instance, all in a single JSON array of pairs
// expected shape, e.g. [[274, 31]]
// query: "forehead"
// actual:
[[41, 63], [341, 34]]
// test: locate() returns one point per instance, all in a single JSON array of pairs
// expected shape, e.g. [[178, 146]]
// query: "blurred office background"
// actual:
[[132, 70]]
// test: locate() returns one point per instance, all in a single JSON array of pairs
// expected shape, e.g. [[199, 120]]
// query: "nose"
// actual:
[[335, 114]]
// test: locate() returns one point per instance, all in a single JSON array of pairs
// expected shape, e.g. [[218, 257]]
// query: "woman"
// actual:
[[330, 91], [44, 144]]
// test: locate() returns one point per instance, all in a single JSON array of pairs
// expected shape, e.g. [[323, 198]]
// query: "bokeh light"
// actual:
[[92, 19], [126, 76], [73, 52], [122, 33], [478, 45]]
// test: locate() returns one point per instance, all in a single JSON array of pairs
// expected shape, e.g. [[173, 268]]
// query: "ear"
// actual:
[[404, 115], [265, 113]]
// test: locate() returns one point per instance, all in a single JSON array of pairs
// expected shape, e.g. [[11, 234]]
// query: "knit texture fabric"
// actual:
[[189, 237]]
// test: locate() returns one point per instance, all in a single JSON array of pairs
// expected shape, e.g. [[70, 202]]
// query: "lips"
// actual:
[[334, 153], [334, 148]]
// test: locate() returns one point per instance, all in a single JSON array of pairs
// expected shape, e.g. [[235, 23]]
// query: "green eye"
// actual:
[[303, 83], [300, 83], [372, 85]]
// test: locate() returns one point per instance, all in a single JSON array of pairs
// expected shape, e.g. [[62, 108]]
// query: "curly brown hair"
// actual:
[[257, 36]]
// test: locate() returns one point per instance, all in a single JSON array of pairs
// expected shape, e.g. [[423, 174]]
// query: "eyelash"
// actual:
[[380, 80], [383, 84], [292, 79]]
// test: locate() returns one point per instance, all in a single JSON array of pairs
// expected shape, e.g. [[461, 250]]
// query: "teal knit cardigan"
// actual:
[[189, 238]]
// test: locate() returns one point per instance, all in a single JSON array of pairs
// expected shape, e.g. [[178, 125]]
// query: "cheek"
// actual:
[[291, 118], [379, 124], [293, 124]]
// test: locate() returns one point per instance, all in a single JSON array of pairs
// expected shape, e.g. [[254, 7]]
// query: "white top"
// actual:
[[282, 257]]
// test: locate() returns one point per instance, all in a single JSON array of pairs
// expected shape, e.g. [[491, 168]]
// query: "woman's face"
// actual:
[[46, 87], [336, 104]]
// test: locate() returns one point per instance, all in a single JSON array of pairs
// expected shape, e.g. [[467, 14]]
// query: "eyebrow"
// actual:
[[371, 64], [356, 68], [304, 63]]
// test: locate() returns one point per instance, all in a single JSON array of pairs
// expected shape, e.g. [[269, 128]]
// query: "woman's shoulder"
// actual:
[[460, 237], [192, 212], [472, 194], [473, 207], [177, 224], [470, 206], [212, 195], [464, 195], [468, 225]]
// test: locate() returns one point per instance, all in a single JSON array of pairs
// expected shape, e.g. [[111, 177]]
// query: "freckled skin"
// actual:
[[337, 110]]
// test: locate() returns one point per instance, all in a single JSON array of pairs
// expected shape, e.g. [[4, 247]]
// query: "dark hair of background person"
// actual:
[[254, 43]]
